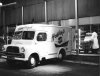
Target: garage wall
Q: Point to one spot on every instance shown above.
(35, 12)
(13, 16)
(0, 16)
(60, 9)
(57, 10)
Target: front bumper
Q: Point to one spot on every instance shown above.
(13, 56)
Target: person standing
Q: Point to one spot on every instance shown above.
(95, 45)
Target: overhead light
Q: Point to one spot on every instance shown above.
(7, 4)
(0, 4)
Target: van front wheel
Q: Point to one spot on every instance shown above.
(32, 61)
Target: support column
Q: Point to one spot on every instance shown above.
(45, 6)
(22, 15)
(77, 24)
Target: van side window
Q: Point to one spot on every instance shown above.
(41, 37)
(28, 35)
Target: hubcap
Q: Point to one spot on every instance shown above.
(60, 56)
(32, 61)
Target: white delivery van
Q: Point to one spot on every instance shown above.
(34, 42)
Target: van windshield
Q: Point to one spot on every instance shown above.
(27, 35)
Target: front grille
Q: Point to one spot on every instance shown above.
(12, 49)
(20, 55)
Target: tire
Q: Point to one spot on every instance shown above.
(60, 57)
(32, 62)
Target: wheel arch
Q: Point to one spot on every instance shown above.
(63, 51)
(36, 56)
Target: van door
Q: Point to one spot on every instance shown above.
(43, 45)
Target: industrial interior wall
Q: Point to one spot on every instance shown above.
(34, 13)
(13, 16)
(56, 10)
(60, 9)
(0, 17)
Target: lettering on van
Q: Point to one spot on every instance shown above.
(24, 28)
(59, 33)
(62, 45)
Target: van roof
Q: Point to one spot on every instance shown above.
(38, 25)
(32, 26)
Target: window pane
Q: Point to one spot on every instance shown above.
(18, 35)
(28, 35)
(41, 37)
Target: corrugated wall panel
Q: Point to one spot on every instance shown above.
(66, 10)
(51, 7)
(33, 12)
(39, 12)
(13, 16)
(93, 7)
(0, 18)
(60, 9)
(19, 15)
(8, 17)
(57, 9)
(83, 8)
(26, 14)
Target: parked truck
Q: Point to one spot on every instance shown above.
(33, 43)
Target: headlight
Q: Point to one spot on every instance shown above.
(22, 49)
